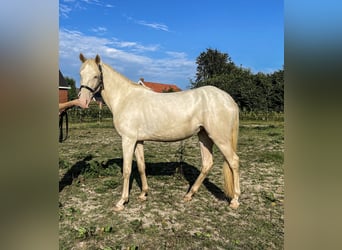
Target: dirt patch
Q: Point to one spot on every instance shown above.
(91, 183)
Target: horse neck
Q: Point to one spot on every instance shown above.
(116, 87)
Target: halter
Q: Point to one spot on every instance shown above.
(98, 87)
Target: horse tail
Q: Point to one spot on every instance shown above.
(228, 186)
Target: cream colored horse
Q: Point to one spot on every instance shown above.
(139, 115)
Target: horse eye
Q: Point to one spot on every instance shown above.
(96, 77)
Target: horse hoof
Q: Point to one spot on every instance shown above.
(142, 197)
(187, 198)
(234, 204)
(118, 208)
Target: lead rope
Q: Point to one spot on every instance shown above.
(61, 138)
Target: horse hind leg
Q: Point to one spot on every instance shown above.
(206, 145)
(139, 155)
(231, 174)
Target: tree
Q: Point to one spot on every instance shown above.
(263, 92)
(242, 85)
(72, 93)
(269, 91)
(212, 63)
(277, 79)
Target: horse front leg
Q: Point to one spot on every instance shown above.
(128, 146)
(139, 155)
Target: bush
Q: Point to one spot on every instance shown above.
(261, 116)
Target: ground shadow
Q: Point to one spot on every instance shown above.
(74, 172)
(80, 167)
(185, 170)
(189, 172)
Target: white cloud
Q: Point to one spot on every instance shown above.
(156, 26)
(153, 25)
(176, 54)
(135, 46)
(64, 10)
(88, 1)
(99, 29)
(132, 59)
(71, 40)
(66, 6)
(123, 56)
(98, 3)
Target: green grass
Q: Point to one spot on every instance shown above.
(90, 169)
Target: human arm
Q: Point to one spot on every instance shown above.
(65, 105)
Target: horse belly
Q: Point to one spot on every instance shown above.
(170, 129)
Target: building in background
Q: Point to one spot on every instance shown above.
(63, 89)
(159, 87)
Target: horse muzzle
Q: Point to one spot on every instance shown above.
(84, 100)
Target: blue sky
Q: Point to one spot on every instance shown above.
(160, 40)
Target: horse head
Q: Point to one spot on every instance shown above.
(91, 79)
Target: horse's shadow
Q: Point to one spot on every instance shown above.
(74, 172)
(81, 166)
(189, 172)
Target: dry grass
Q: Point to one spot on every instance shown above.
(91, 183)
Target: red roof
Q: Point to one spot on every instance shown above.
(161, 87)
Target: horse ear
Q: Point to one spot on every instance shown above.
(97, 59)
(82, 58)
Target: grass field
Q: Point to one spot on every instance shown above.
(90, 165)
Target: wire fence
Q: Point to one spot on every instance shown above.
(95, 114)
(92, 114)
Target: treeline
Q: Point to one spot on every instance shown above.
(252, 92)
